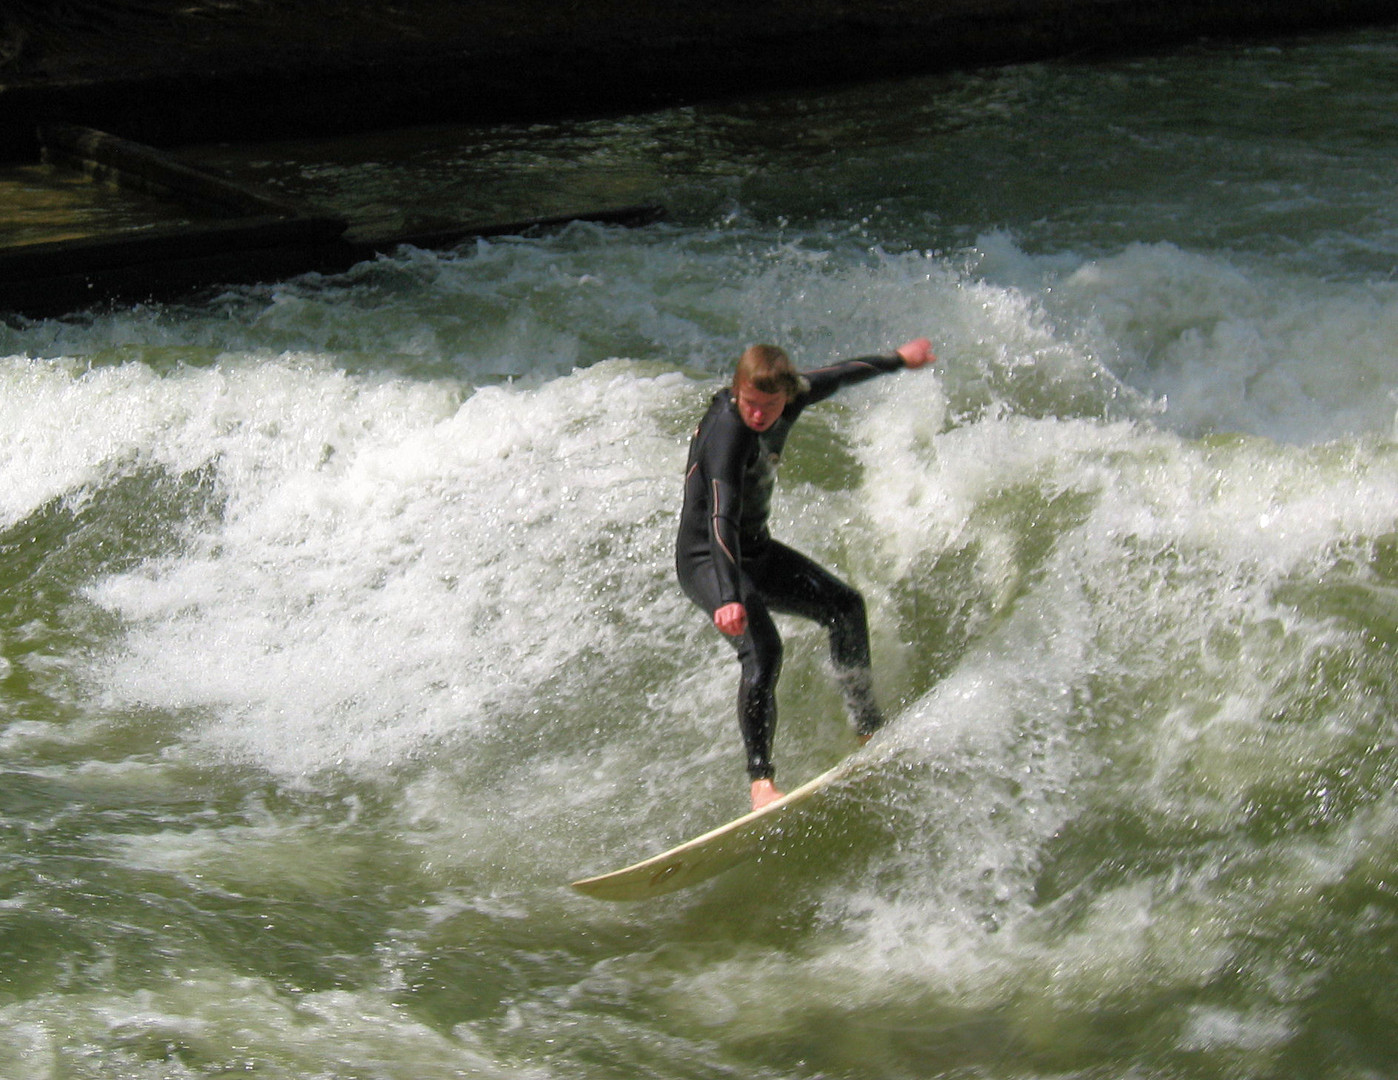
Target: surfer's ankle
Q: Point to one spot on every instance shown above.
(857, 688)
(764, 792)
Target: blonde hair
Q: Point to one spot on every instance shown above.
(768, 370)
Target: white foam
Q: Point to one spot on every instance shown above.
(478, 582)
(208, 1020)
(1227, 345)
(389, 569)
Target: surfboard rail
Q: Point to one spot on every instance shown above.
(707, 855)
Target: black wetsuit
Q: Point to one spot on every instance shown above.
(725, 554)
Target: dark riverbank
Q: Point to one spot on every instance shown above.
(171, 72)
(103, 87)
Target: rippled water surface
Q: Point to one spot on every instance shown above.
(338, 630)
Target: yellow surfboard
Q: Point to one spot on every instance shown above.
(701, 858)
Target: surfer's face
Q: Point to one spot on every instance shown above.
(759, 411)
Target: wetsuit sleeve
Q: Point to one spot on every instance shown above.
(720, 470)
(825, 381)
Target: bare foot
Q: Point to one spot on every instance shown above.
(764, 792)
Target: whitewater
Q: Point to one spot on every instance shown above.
(339, 630)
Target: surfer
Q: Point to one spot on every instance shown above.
(730, 566)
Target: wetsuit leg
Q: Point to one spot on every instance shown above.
(760, 654)
(793, 583)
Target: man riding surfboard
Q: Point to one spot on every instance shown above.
(729, 564)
